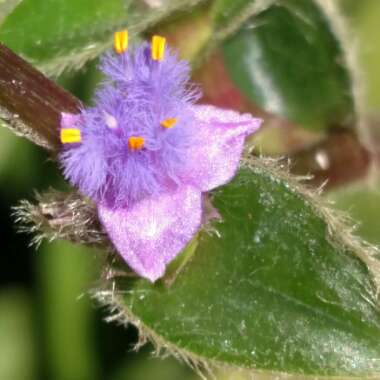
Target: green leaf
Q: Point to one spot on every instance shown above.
(276, 288)
(228, 14)
(225, 10)
(59, 34)
(362, 202)
(288, 61)
(6, 7)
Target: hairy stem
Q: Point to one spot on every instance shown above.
(30, 103)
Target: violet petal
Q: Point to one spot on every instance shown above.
(69, 120)
(153, 232)
(215, 157)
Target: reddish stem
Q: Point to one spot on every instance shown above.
(30, 103)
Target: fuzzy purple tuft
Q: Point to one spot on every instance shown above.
(138, 95)
(149, 199)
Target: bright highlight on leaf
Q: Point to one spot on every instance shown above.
(158, 48)
(169, 123)
(121, 41)
(70, 135)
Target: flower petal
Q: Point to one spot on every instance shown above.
(69, 120)
(151, 233)
(215, 155)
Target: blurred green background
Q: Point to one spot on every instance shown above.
(49, 327)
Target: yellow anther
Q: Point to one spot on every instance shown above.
(169, 123)
(120, 41)
(158, 47)
(70, 136)
(136, 143)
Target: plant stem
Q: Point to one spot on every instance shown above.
(30, 103)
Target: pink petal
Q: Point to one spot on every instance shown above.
(153, 232)
(69, 120)
(220, 134)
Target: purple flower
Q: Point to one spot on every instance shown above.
(146, 152)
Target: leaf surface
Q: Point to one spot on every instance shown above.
(272, 290)
(60, 34)
(288, 61)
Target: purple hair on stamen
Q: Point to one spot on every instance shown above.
(138, 94)
(146, 153)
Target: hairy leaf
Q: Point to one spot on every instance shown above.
(278, 287)
(60, 34)
(229, 15)
(224, 10)
(362, 201)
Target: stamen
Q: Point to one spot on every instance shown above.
(120, 41)
(70, 135)
(158, 47)
(169, 123)
(136, 143)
